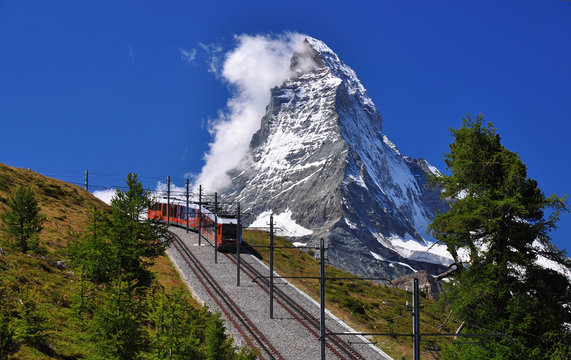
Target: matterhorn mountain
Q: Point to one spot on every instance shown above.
(322, 165)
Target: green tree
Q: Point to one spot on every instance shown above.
(135, 240)
(30, 325)
(123, 245)
(22, 221)
(178, 330)
(117, 325)
(218, 346)
(92, 253)
(496, 229)
(9, 343)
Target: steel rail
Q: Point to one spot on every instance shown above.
(303, 316)
(212, 286)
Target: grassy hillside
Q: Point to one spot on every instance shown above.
(36, 278)
(366, 306)
(66, 206)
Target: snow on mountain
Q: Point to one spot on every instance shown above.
(284, 225)
(320, 158)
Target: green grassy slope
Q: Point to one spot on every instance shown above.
(66, 206)
(366, 306)
(362, 304)
(36, 277)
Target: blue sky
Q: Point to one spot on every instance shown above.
(105, 86)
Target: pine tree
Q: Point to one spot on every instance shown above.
(91, 253)
(123, 245)
(178, 330)
(9, 343)
(135, 240)
(218, 346)
(496, 229)
(117, 325)
(22, 221)
(30, 326)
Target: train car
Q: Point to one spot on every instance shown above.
(221, 231)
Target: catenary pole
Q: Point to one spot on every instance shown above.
(199, 214)
(216, 228)
(168, 200)
(187, 207)
(271, 266)
(415, 321)
(238, 243)
(322, 296)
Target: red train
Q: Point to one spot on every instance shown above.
(223, 233)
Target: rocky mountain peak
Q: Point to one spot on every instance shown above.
(320, 160)
(306, 59)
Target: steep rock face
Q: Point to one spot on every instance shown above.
(320, 153)
(426, 283)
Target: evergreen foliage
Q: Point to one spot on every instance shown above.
(9, 343)
(30, 325)
(117, 325)
(177, 330)
(123, 245)
(496, 228)
(136, 319)
(22, 221)
(217, 347)
(92, 254)
(136, 242)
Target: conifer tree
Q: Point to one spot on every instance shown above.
(218, 346)
(91, 253)
(496, 230)
(117, 325)
(9, 343)
(22, 221)
(135, 240)
(124, 244)
(30, 325)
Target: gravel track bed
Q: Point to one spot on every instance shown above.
(285, 333)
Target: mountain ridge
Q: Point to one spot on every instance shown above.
(320, 153)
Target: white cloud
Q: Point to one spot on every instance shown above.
(187, 56)
(215, 54)
(257, 64)
(176, 192)
(105, 195)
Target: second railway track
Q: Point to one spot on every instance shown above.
(294, 330)
(338, 346)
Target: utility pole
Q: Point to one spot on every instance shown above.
(238, 243)
(216, 228)
(86, 181)
(187, 208)
(199, 214)
(415, 321)
(168, 200)
(271, 266)
(322, 295)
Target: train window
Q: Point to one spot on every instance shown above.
(182, 214)
(164, 209)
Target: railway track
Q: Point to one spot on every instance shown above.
(335, 344)
(253, 336)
